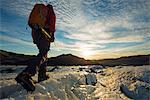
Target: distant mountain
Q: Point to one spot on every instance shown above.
(9, 58)
(67, 59)
(125, 61)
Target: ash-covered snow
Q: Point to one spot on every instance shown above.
(70, 83)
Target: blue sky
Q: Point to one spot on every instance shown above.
(93, 29)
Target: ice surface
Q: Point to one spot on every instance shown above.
(69, 83)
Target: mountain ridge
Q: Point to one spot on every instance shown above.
(10, 58)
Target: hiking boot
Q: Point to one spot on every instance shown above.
(26, 81)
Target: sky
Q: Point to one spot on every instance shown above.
(92, 29)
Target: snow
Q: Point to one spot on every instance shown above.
(69, 83)
(124, 83)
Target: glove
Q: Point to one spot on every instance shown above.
(35, 26)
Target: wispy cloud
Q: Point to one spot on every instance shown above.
(105, 38)
(91, 25)
(15, 40)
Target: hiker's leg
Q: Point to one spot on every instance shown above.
(43, 63)
(24, 78)
(32, 66)
(36, 62)
(42, 72)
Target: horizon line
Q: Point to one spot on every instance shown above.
(75, 55)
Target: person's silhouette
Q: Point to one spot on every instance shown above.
(40, 17)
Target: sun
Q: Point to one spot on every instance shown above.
(87, 53)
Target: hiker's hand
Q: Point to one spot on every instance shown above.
(36, 26)
(50, 33)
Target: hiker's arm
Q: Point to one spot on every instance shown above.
(52, 23)
(51, 20)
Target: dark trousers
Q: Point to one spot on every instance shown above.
(39, 63)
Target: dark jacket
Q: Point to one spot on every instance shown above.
(49, 26)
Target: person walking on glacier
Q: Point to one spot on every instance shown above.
(42, 22)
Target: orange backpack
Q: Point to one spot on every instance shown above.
(38, 15)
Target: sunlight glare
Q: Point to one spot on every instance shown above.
(87, 53)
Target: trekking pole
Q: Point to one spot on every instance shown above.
(47, 36)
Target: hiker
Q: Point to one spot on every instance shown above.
(40, 17)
